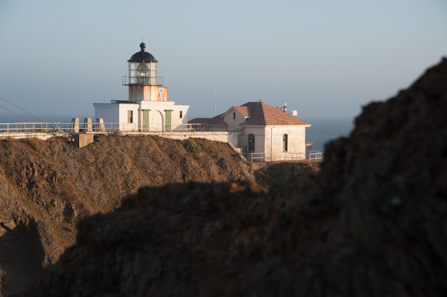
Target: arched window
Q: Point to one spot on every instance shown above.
(285, 142)
(234, 115)
(251, 142)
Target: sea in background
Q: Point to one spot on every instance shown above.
(11, 118)
(324, 130)
(320, 132)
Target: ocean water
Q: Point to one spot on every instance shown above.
(324, 130)
(11, 118)
(321, 131)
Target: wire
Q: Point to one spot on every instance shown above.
(14, 113)
(21, 110)
(27, 113)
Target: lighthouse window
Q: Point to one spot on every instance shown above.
(285, 140)
(143, 73)
(130, 116)
(181, 114)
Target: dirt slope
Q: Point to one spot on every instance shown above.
(372, 222)
(48, 186)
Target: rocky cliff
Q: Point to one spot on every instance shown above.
(372, 222)
(48, 186)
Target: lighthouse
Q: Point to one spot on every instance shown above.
(143, 82)
(147, 107)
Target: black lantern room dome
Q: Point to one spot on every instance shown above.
(142, 56)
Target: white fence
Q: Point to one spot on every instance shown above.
(286, 156)
(97, 127)
(316, 156)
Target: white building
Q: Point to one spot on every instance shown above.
(260, 131)
(147, 108)
(265, 133)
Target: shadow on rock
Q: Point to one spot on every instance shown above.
(21, 257)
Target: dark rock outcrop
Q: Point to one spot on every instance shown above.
(372, 222)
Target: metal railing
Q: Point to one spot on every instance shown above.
(98, 127)
(268, 157)
(142, 80)
(316, 156)
(34, 127)
(286, 156)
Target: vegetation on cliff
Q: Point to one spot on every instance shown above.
(279, 173)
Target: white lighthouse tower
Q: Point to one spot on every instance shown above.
(147, 108)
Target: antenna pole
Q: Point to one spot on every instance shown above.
(215, 100)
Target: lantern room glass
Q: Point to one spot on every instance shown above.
(139, 73)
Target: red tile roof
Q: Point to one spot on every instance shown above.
(244, 110)
(257, 113)
(264, 114)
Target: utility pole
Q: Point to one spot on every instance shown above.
(215, 100)
(271, 143)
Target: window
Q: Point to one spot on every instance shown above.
(130, 116)
(251, 142)
(285, 142)
(234, 115)
(181, 114)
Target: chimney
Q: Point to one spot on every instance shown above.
(285, 108)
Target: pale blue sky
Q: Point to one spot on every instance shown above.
(325, 58)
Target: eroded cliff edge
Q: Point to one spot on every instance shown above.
(372, 222)
(47, 186)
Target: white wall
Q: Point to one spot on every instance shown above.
(264, 143)
(117, 113)
(296, 139)
(259, 133)
(109, 112)
(157, 114)
(125, 125)
(233, 124)
(185, 110)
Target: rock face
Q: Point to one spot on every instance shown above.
(372, 222)
(48, 186)
(278, 173)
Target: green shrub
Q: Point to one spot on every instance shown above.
(276, 171)
(237, 157)
(33, 143)
(190, 145)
